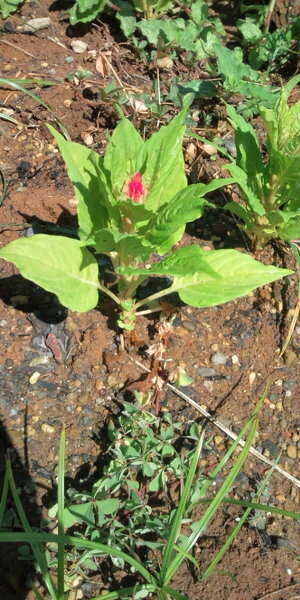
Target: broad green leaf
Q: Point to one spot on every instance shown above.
(85, 11)
(81, 163)
(248, 151)
(253, 202)
(161, 162)
(199, 12)
(188, 204)
(285, 170)
(61, 265)
(126, 244)
(214, 277)
(150, 29)
(7, 7)
(200, 88)
(249, 30)
(121, 154)
(109, 506)
(232, 68)
(190, 257)
(290, 229)
(83, 513)
(239, 273)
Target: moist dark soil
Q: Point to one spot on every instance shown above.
(75, 377)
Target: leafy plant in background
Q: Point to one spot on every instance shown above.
(85, 11)
(270, 191)
(8, 7)
(272, 49)
(176, 548)
(196, 34)
(240, 78)
(133, 205)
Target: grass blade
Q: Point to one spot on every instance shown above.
(35, 546)
(60, 515)
(237, 528)
(169, 549)
(71, 540)
(171, 592)
(17, 86)
(4, 494)
(213, 506)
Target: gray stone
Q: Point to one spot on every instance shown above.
(206, 371)
(218, 358)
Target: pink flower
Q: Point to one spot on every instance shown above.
(135, 189)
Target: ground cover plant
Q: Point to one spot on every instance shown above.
(270, 189)
(133, 205)
(174, 536)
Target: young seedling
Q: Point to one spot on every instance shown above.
(133, 205)
(270, 191)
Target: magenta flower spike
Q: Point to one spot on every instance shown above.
(135, 189)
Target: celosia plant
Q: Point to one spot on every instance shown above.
(133, 205)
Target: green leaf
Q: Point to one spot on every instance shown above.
(253, 201)
(7, 7)
(208, 278)
(199, 12)
(198, 87)
(167, 227)
(85, 11)
(61, 265)
(121, 154)
(161, 161)
(248, 151)
(109, 506)
(83, 166)
(249, 30)
(126, 17)
(82, 513)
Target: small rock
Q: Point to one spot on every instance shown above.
(206, 371)
(69, 59)
(252, 377)
(289, 384)
(218, 439)
(235, 359)
(46, 428)
(34, 25)
(79, 46)
(3, 322)
(209, 149)
(218, 358)
(39, 360)
(34, 377)
(291, 451)
(188, 325)
(280, 498)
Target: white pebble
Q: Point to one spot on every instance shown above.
(252, 377)
(235, 359)
(34, 377)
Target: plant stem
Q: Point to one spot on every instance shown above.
(149, 299)
(107, 291)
